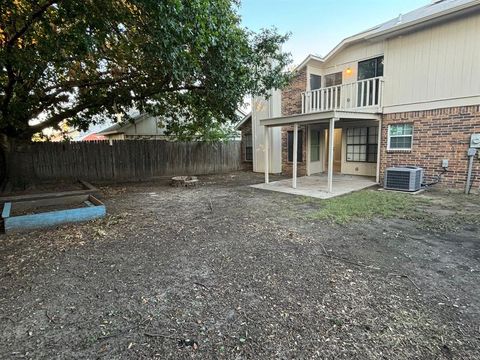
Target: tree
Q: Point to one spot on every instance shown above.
(83, 61)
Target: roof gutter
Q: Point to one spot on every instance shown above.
(423, 21)
(395, 30)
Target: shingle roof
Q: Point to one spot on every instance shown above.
(122, 126)
(435, 7)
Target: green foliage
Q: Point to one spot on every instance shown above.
(367, 204)
(83, 61)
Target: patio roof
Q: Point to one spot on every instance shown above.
(317, 117)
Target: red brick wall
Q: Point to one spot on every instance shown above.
(292, 94)
(287, 167)
(291, 105)
(437, 134)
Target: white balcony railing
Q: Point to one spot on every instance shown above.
(366, 95)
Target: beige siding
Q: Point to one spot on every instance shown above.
(434, 65)
(263, 109)
(349, 58)
(148, 127)
(115, 137)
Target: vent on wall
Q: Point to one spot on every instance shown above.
(408, 178)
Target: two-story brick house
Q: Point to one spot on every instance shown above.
(406, 92)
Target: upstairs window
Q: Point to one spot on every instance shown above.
(370, 68)
(400, 137)
(315, 82)
(333, 79)
(248, 147)
(299, 147)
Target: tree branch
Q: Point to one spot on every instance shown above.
(29, 22)
(9, 87)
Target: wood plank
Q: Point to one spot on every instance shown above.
(30, 197)
(7, 207)
(52, 218)
(64, 200)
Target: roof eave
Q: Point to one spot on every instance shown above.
(370, 34)
(243, 121)
(424, 21)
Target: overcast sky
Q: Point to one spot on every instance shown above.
(317, 26)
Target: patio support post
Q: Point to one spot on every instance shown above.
(379, 149)
(266, 154)
(331, 135)
(295, 155)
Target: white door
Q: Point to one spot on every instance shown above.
(315, 150)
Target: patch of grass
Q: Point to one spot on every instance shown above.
(367, 204)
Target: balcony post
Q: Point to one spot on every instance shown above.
(266, 140)
(331, 135)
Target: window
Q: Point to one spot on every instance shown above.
(333, 79)
(333, 95)
(370, 68)
(362, 144)
(315, 82)
(368, 91)
(315, 145)
(248, 147)
(400, 137)
(299, 147)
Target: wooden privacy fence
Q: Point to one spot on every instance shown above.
(133, 160)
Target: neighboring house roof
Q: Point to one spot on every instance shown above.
(93, 129)
(431, 13)
(120, 128)
(93, 137)
(243, 121)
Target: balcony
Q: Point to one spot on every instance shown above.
(364, 95)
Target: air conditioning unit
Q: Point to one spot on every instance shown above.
(408, 178)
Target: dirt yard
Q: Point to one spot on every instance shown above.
(227, 271)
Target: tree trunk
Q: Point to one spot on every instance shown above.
(11, 165)
(4, 148)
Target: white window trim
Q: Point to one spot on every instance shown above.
(324, 80)
(389, 136)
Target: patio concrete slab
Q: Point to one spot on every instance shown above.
(316, 185)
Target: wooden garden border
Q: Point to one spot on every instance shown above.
(89, 189)
(94, 209)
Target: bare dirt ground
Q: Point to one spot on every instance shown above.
(227, 271)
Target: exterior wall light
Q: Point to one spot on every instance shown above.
(348, 71)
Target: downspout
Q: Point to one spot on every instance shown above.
(471, 154)
(379, 149)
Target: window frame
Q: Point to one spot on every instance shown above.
(334, 75)
(318, 146)
(377, 59)
(299, 146)
(390, 136)
(245, 146)
(367, 144)
(320, 79)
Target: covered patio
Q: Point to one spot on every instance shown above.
(317, 185)
(328, 182)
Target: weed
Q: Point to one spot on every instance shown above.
(367, 204)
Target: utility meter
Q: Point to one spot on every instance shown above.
(475, 141)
